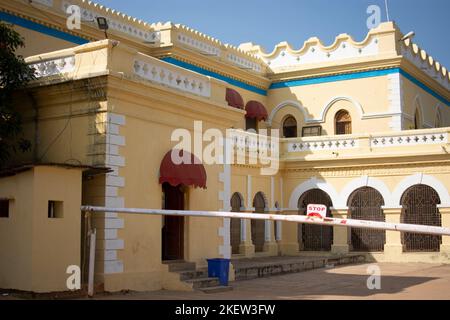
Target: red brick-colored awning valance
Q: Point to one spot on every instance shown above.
(256, 110)
(234, 99)
(192, 173)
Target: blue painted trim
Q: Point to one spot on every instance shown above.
(41, 28)
(358, 75)
(325, 79)
(424, 87)
(205, 72)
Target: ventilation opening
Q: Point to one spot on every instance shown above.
(55, 209)
(4, 208)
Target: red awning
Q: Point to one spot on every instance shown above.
(256, 110)
(234, 99)
(188, 174)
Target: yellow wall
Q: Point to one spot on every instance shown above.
(36, 250)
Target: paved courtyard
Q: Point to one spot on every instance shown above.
(398, 281)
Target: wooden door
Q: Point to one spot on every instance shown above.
(173, 229)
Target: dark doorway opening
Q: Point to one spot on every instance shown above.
(173, 229)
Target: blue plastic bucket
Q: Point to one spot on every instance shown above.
(219, 268)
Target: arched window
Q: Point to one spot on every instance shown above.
(235, 224)
(290, 127)
(343, 122)
(419, 205)
(314, 237)
(259, 226)
(365, 204)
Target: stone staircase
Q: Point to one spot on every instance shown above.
(197, 279)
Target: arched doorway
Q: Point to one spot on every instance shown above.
(315, 237)
(419, 204)
(173, 227)
(235, 224)
(365, 204)
(176, 178)
(258, 226)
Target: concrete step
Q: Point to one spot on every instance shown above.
(178, 266)
(193, 274)
(282, 265)
(217, 289)
(203, 282)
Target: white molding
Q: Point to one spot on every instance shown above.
(287, 103)
(314, 183)
(330, 103)
(366, 181)
(421, 178)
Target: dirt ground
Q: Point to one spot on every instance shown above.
(398, 281)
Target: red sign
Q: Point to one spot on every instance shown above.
(316, 211)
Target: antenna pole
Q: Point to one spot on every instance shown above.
(387, 9)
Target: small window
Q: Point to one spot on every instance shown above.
(251, 124)
(311, 131)
(4, 208)
(290, 127)
(343, 122)
(55, 209)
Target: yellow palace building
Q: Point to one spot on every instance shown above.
(364, 130)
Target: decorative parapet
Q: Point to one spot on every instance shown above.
(210, 46)
(117, 21)
(410, 138)
(248, 141)
(163, 73)
(422, 60)
(363, 145)
(54, 67)
(313, 51)
(322, 144)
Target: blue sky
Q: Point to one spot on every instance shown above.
(268, 22)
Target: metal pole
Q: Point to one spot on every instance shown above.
(278, 217)
(92, 235)
(387, 10)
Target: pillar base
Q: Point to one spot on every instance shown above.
(392, 252)
(271, 248)
(340, 249)
(288, 248)
(445, 249)
(247, 250)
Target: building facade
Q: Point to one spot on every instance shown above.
(363, 130)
